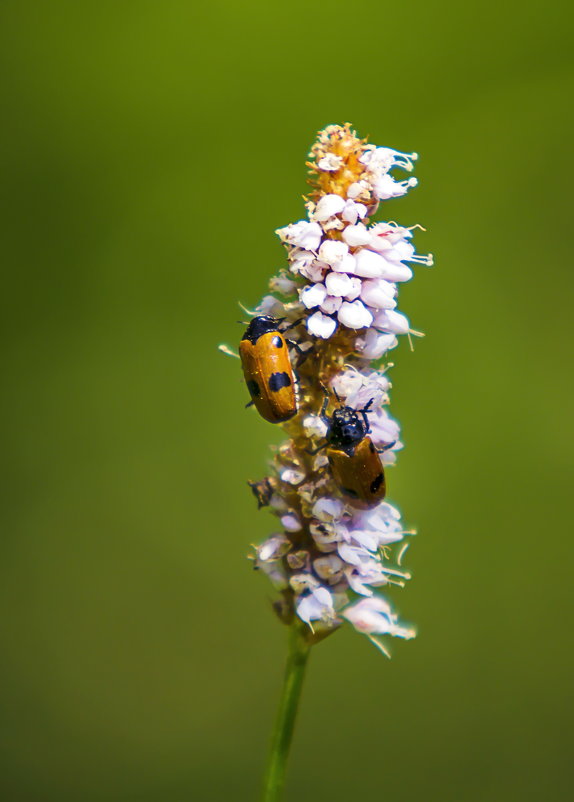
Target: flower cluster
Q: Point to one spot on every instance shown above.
(339, 295)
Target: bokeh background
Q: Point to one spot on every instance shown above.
(149, 150)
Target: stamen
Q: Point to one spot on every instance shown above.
(379, 646)
(422, 259)
(401, 553)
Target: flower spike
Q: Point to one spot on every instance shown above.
(338, 299)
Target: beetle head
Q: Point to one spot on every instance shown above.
(347, 428)
(260, 325)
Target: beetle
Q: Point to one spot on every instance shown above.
(267, 369)
(354, 460)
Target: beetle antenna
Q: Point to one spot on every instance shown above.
(251, 312)
(225, 349)
(337, 397)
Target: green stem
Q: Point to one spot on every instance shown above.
(286, 715)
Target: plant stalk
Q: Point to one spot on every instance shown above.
(286, 715)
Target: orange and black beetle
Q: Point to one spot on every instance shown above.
(355, 463)
(267, 370)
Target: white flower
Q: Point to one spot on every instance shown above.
(358, 389)
(386, 158)
(313, 295)
(314, 271)
(328, 509)
(332, 252)
(386, 235)
(379, 293)
(273, 568)
(291, 523)
(325, 537)
(354, 555)
(316, 606)
(358, 188)
(347, 382)
(389, 320)
(369, 264)
(357, 235)
(331, 304)
(271, 306)
(282, 284)
(362, 537)
(359, 578)
(353, 212)
(330, 163)
(291, 476)
(395, 271)
(328, 206)
(386, 187)
(278, 503)
(301, 235)
(302, 582)
(374, 616)
(314, 426)
(320, 325)
(384, 429)
(354, 315)
(383, 522)
(339, 284)
(273, 548)
(373, 344)
(329, 568)
(300, 259)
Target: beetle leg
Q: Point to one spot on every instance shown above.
(313, 451)
(386, 447)
(250, 404)
(363, 412)
(302, 353)
(290, 326)
(322, 414)
(366, 419)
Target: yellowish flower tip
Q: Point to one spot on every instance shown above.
(334, 164)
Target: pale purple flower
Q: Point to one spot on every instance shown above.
(320, 325)
(343, 281)
(374, 616)
(354, 315)
(317, 605)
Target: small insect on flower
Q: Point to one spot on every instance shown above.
(353, 458)
(267, 370)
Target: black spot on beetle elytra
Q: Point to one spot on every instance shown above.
(377, 482)
(278, 380)
(372, 447)
(277, 342)
(348, 492)
(253, 387)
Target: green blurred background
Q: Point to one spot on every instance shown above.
(149, 150)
